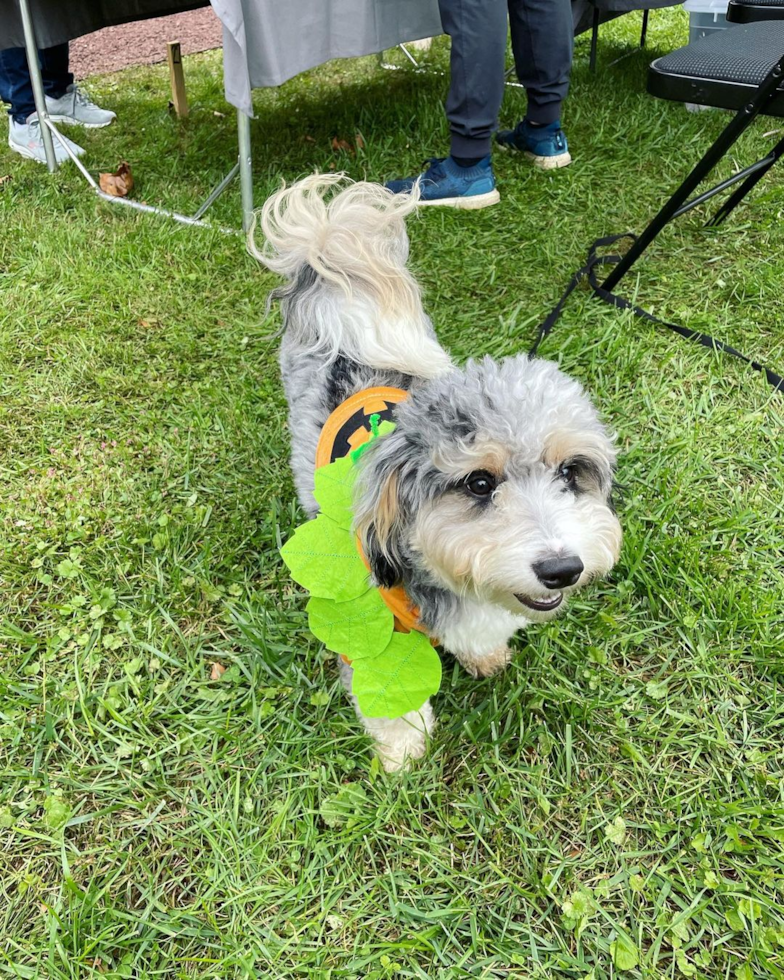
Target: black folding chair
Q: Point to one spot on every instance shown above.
(741, 68)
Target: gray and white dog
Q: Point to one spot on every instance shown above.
(490, 501)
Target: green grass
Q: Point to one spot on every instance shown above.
(614, 800)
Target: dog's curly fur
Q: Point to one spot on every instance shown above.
(492, 469)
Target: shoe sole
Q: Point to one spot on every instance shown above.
(549, 163)
(474, 203)
(543, 163)
(70, 121)
(29, 155)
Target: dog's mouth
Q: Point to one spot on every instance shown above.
(540, 605)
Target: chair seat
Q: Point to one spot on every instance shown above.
(723, 69)
(747, 11)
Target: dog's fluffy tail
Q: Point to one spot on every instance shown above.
(343, 247)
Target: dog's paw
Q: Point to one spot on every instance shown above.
(399, 754)
(488, 663)
(396, 757)
(400, 741)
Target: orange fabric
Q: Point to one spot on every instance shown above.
(368, 401)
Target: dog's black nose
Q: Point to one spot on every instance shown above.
(557, 573)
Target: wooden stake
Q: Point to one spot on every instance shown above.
(179, 98)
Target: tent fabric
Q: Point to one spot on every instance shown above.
(266, 42)
(57, 21)
(582, 10)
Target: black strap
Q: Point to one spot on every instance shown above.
(588, 272)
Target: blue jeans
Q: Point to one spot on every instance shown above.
(16, 87)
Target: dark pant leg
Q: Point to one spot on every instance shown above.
(15, 85)
(476, 88)
(542, 41)
(54, 70)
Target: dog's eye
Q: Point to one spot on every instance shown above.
(480, 484)
(568, 473)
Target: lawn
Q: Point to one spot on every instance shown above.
(612, 806)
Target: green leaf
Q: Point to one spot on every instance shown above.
(686, 968)
(323, 558)
(744, 972)
(345, 808)
(67, 568)
(616, 831)
(55, 812)
(624, 953)
(333, 490)
(399, 679)
(656, 690)
(360, 628)
(734, 921)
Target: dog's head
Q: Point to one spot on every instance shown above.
(496, 484)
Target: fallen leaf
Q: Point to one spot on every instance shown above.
(218, 670)
(4, 180)
(338, 144)
(118, 184)
(359, 141)
(221, 114)
(308, 139)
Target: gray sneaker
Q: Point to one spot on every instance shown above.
(25, 138)
(74, 108)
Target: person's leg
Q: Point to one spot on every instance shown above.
(15, 86)
(24, 129)
(542, 41)
(54, 70)
(66, 102)
(478, 32)
(465, 179)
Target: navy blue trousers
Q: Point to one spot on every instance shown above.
(542, 41)
(15, 86)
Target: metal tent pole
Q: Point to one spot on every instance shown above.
(38, 85)
(246, 172)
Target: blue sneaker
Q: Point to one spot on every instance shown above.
(445, 183)
(545, 145)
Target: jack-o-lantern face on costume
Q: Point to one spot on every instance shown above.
(348, 427)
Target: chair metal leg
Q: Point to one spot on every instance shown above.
(748, 185)
(594, 38)
(739, 123)
(644, 32)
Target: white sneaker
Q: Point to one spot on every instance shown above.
(76, 109)
(25, 138)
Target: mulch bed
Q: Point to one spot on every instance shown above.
(144, 42)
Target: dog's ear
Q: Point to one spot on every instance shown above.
(378, 519)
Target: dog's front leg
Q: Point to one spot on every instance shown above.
(478, 635)
(396, 740)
